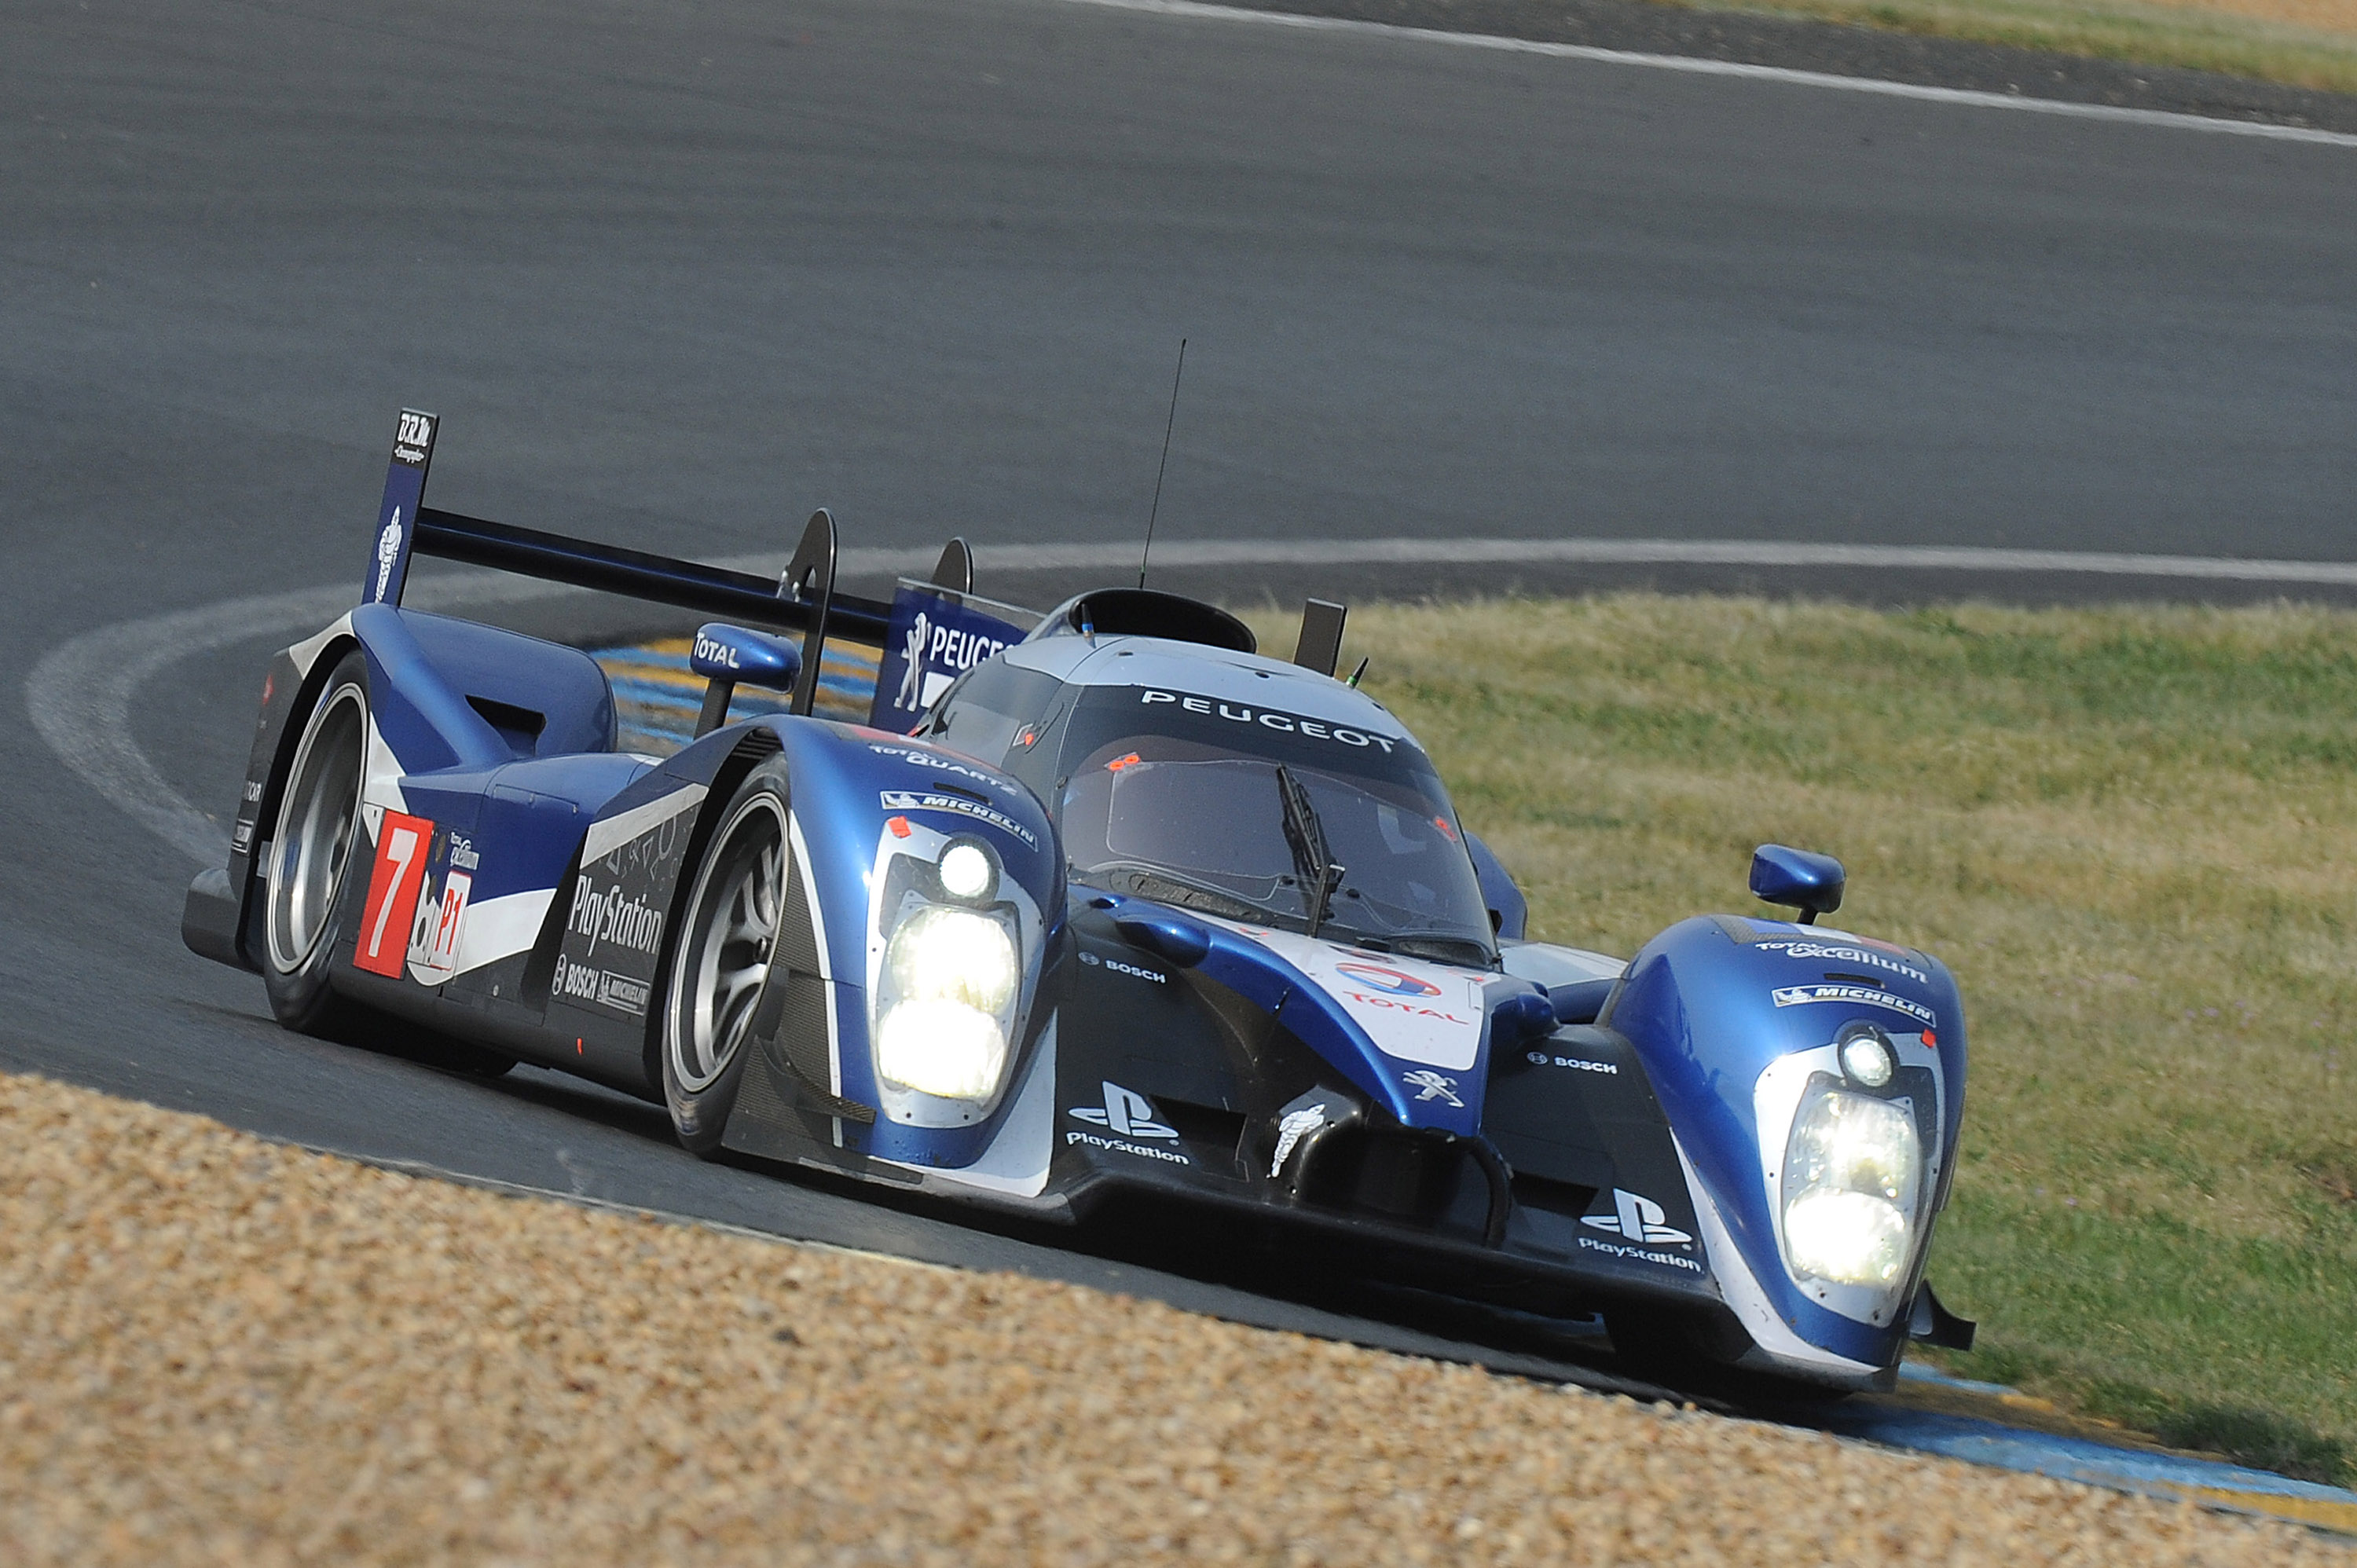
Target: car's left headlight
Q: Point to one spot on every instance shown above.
(1853, 1170)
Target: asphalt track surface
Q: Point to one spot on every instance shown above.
(674, 275)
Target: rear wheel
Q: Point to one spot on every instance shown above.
(311, 852)
(721, 965)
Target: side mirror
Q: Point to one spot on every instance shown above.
(1172, 937)
(1523, 1014)
(1509, 911)
(724, 655)
(1810, 882)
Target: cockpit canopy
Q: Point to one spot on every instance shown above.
(1168, 771)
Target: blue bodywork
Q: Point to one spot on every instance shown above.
(1542, 1125)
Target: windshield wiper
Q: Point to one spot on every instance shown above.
(1306, 836)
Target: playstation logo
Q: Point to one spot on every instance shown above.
(1636, 1218)
(1124, 1111)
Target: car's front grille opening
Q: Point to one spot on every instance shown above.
(1430, 1183)
(1206, 1127)
(1568, 1198)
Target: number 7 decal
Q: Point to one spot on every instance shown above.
(400, 846)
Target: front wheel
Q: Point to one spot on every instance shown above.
(311, 853)
(720, 965)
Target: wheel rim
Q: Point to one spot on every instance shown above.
(316, 829)
(725, 961)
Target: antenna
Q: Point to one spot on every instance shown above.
(1167, 428)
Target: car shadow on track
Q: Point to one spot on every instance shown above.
(1156, 1249)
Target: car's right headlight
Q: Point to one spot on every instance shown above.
(949, 978)
(1853, 1169)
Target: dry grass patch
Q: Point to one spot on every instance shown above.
(2132, 834)
(2305, 43)
(217, 1350)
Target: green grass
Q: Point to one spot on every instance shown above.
(2198, 38)
(2132, 834)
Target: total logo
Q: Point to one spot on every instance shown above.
(711, 651)
(1636, 1218)
(1390, 981)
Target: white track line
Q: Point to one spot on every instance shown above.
(79, 694)
(1196, 10)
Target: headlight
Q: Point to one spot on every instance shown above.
(953, 955)
(1867, 1056)
(1851, 1175)
(949, 982)
(966, 872)
(940, 1048)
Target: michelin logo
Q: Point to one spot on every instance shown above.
(1800, 995)
(1296, 1125)
(619, 992)
(388, 551)
(925, 801)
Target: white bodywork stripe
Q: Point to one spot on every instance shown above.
(605, 837)
(307, 653)
(1749, 1299)
(382, 773)
(1017, 1161)
(500, 927)
(826, 962)
(1442, 1028)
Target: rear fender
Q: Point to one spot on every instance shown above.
(290, 686)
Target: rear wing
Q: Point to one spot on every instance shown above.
(804, 599)
(928, 632)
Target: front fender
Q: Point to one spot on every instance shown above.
(858, 797)
(1711, 1005)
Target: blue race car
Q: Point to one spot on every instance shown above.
(1109, 904)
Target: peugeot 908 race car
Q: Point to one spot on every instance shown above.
(1129, 908)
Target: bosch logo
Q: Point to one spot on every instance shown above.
(1391, 981)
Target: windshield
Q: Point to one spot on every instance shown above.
(1189, 821)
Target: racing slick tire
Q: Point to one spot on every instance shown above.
(303, 880)
(721, 963)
